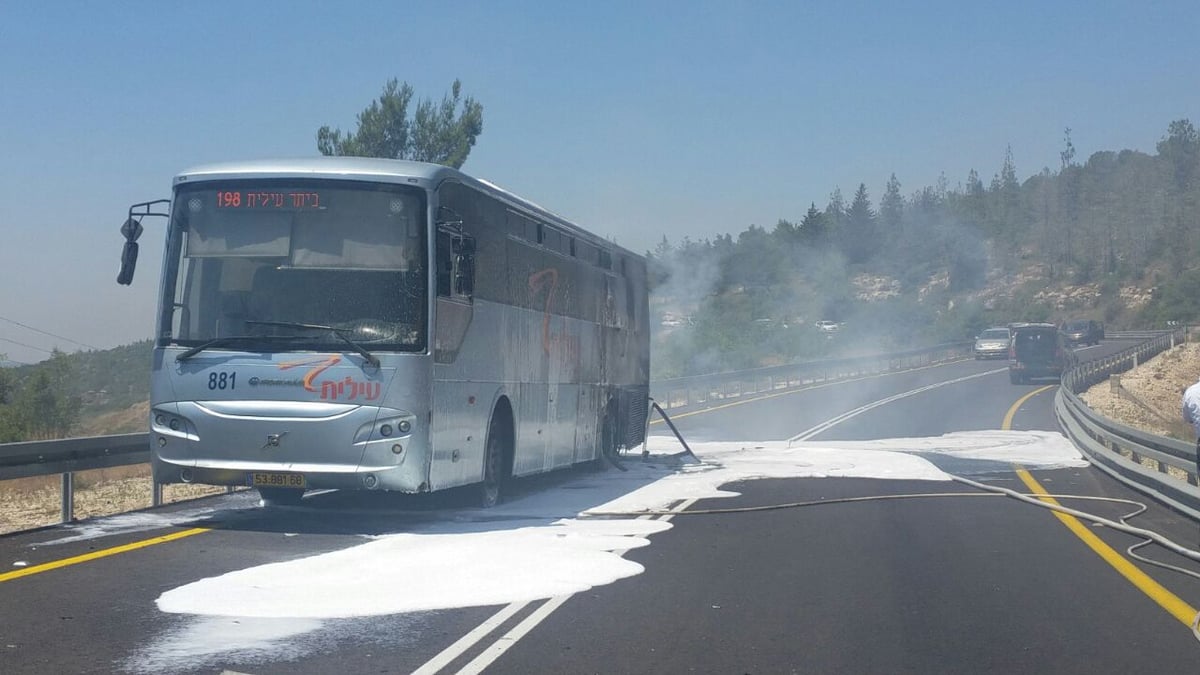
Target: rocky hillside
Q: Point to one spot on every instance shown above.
(1150, 396)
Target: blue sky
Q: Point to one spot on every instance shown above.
(635, 119)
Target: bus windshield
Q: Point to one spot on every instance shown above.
(254, 258)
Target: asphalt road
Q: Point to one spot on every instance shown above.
(945, 585)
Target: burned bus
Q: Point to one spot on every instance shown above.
(355, 323)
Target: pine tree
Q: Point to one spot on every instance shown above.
(435, 134)
(860, 240)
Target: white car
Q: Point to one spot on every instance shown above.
(829, 326)
(992, 343)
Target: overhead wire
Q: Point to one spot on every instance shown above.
(22, 344)
(43, 332)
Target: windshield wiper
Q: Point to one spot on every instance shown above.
(371, 358)
(219, 342)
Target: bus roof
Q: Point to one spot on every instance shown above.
(391, 170)
(423, 174)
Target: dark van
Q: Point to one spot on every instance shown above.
(1036, 350)
(1084, 332)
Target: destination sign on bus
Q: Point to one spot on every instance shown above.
(270, 200)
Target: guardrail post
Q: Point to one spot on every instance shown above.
(156, 498)
(68, 496)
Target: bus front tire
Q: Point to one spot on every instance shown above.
(280, 496)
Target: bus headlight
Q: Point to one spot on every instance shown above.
(386, 427)
(169, 424)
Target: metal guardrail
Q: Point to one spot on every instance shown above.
(702, 390)
(1164, 468)
(68, 455)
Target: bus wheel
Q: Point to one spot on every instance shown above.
(280, 496)
(494, 465)
(608, 433)
(608, 439)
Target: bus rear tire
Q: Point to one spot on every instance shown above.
(608, 436)
(496, 467)
(280, 496)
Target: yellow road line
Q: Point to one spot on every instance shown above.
(1012, 412)
(1182, 611)
(1176, 607)
(103, 553)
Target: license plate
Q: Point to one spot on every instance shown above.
(281, 480)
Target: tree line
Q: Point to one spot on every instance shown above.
(1119, 218)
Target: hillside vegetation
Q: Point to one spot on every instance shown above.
(93, 392)
(1114, 238)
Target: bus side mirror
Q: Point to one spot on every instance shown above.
(464, 265)
(129, 256)
(464, 277)
(132, 229)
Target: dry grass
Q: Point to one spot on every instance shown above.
(27, 503)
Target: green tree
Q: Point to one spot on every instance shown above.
(443, 133)
(9, 425)
(663, 249)
(1180, 148)
(813, 232)
(785, 231)
(1012, 219)
(757, 261)
(891, 207)
(859, 238)
(835, 217)
(47, 406)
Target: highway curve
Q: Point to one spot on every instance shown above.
(947, 584)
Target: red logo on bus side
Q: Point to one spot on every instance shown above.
(348, 388)
(562, 344)
(537, 281)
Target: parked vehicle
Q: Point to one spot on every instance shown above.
(1083, 332)
(829, 326)
(1037, 350)
(992, 343)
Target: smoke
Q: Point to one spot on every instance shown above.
(687, 278)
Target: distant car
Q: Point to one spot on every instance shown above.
(1037, 350)
(992, 343)
(829, 326)
(1083, 332)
